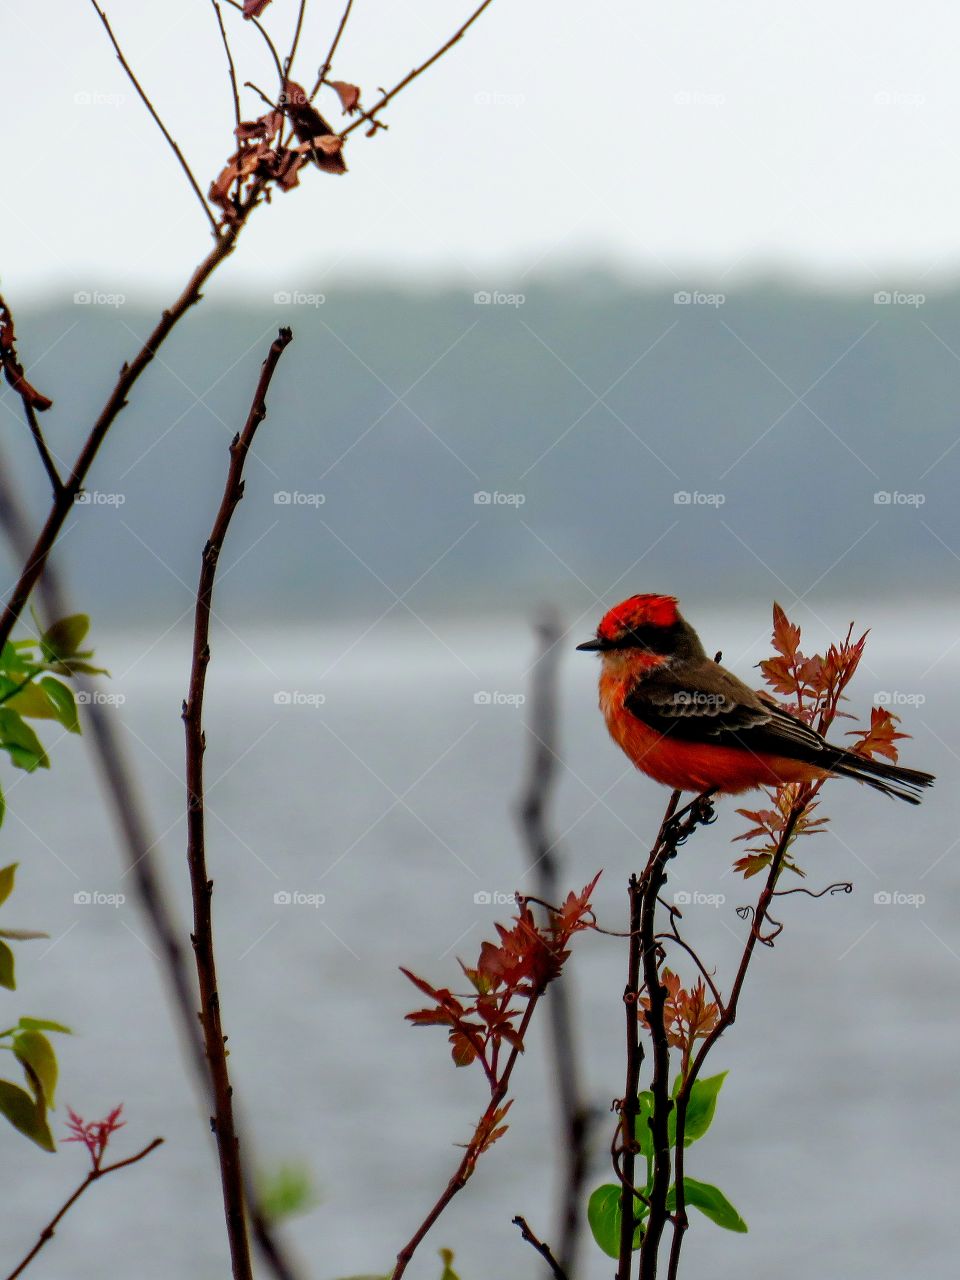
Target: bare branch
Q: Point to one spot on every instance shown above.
(542, 857)
(328, 61)
(369, 117)
(93, 1176)
(228, 1145)
(543, 1249)
(161, 126)
(235, 4)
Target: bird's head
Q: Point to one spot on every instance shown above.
(645, 630)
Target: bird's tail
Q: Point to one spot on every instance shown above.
(891, 779)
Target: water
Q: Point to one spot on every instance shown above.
(835, 1135)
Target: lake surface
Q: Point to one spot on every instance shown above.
(376, 780)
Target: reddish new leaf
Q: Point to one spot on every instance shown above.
(311, 129)
(349, 95)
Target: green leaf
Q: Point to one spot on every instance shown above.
(6, 968)
(63, 638)
(34, 1051)
(446, 1257)
(11, 660)
(22, 743)
(43, 1024)
(26, 1115)
(603, 1214)
(709, 1200)
(63, 703)
(7, 875)
(701, 1108)
(641, 1130)
(47, 699)
(286, 1191)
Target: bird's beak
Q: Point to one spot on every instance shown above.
(590, 646)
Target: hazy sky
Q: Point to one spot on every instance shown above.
(679, 137)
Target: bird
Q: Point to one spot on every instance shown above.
(687, 722)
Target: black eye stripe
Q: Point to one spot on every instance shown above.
(652, 639)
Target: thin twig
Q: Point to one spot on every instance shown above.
(236, 4)
(123, 794)
(543, 1249)
(63, 502)
(288, 65)
(328, 61)
(160, 125)
(728, 1015)
(230, 66)
(465, 1168)
(16, 376)
(368, 117)
(93, 1176)
(222, 1121)
(574, 1113)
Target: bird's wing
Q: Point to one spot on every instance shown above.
(715, 707)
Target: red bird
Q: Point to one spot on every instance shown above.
(687, 722)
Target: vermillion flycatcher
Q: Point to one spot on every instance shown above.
(687, 722)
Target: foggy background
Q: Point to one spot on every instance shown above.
(625, 300)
